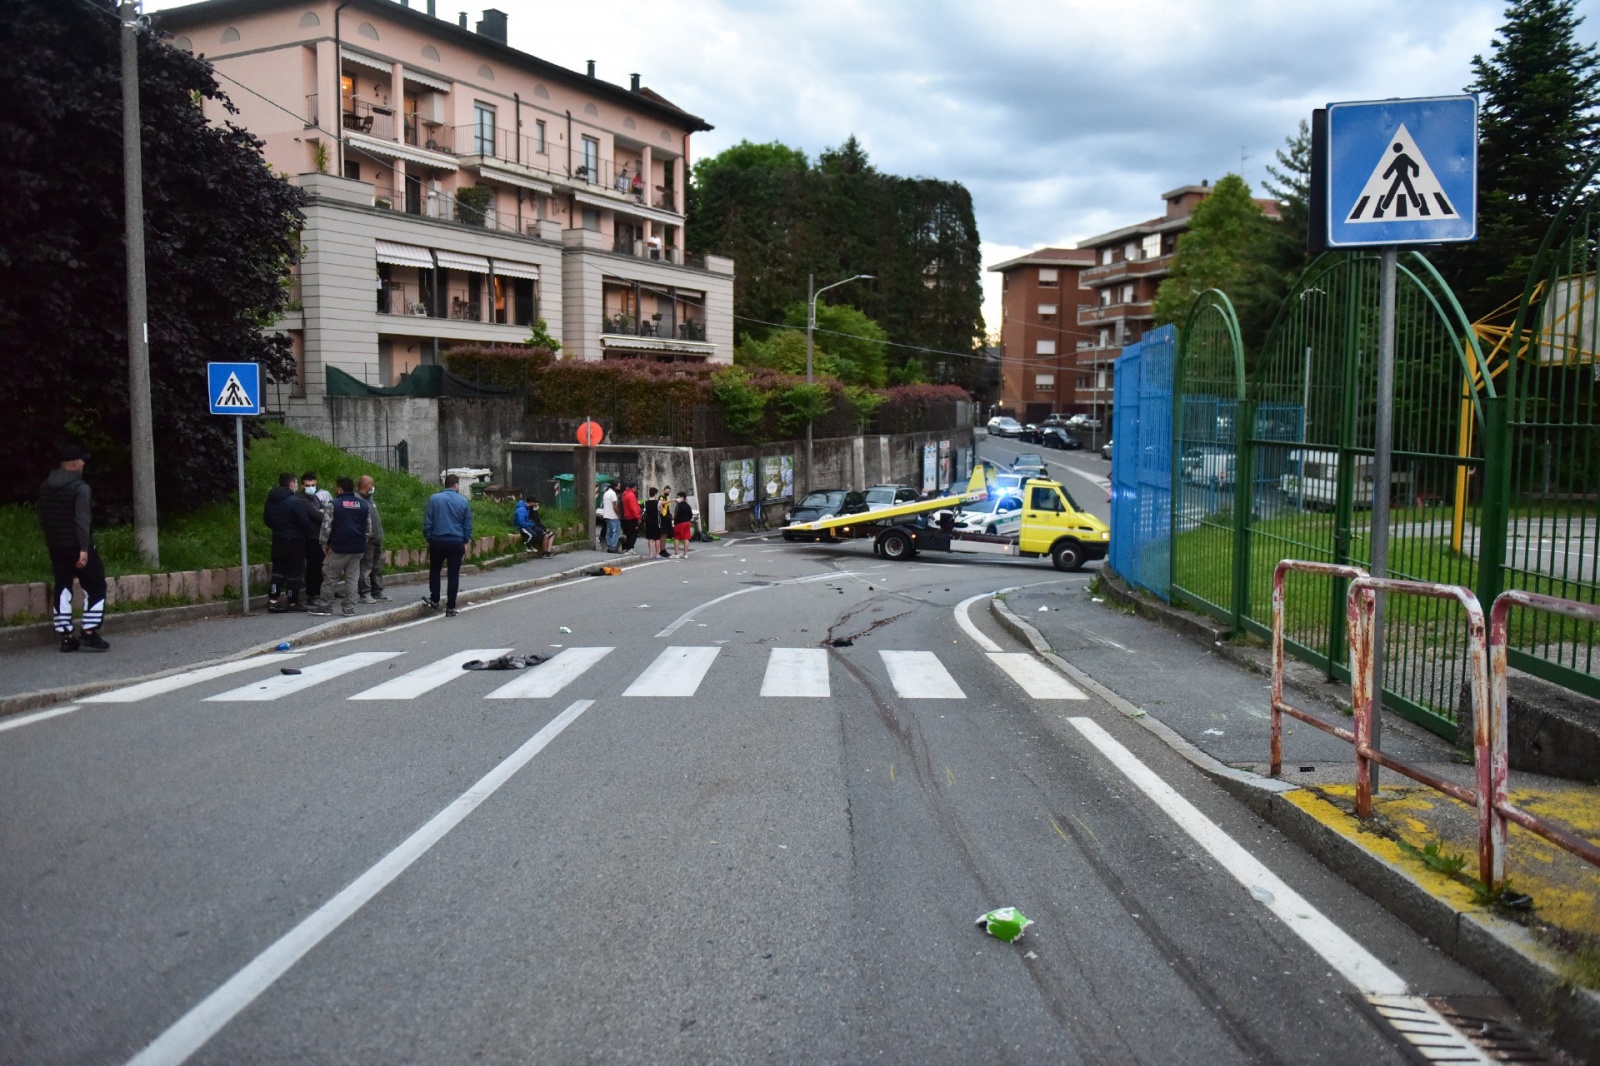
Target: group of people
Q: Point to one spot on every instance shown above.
(320, 539)
(659, 518)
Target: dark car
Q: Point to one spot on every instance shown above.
(1029, 464)
(822, 504)
(1056, 437)
(881, 496)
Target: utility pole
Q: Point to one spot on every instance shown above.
(145, 530)
(812, 292)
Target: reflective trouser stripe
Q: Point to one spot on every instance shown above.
(64, 609)
(92, 614)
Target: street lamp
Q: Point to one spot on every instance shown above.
(812, 292)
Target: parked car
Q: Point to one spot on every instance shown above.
(998, 515)
(822, 504)
(1004, 426)
(1085, 422)
(1029, 464)
(1105, 450)
(1057, 437)
(881, 496)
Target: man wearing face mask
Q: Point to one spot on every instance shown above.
(291, 526)
(371, 581)
(315, 503)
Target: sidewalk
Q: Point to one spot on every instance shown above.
(1546, 960)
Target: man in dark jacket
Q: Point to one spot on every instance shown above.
(345, 536)
(315, 501)
(64, 516)
(447, 527)
(371, 587)
(291, 527)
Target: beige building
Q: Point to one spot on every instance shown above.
(459, 190)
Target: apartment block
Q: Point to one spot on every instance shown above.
(1041, 297)
(459, 190)
(1127, 267)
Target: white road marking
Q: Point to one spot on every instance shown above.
(796, 672)
(36, 716)
(430, 619)
(689, 615)
(1358, 966)
(677, 671)
(280, 685)
(191, 1032)
(424, 679)
(172, 683)
(1036, 679)
(551, 676)
(966, 623)
(919, 675)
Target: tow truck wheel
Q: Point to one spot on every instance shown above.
(1067, 555)
(896, 546)
(789, 537)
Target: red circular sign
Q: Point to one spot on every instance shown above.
(590, 434)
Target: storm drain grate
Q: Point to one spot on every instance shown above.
(1445, 1031)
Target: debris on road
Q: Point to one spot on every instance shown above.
(842, 642)
(1044, 608)
(1212, 732)
(1261, 895)
(641, 605)
(1005, 923)
(285, 646)
(288, 670)
(564, 629)
(505, 662)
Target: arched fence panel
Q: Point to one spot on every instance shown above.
(1141, 462)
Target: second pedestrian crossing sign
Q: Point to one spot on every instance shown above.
(1402, 172)
(234, 388)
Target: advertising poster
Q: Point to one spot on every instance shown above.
(739, 482)
(944, 464)
(777, 477)
(966, 464)
(930, 466)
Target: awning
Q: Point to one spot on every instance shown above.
(508, 177)
(388, 149)
(370, 62)
(427, 81)
(628, 206)
(396, 254)
(507, 269)
(472, 264)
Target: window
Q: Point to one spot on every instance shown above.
(1130, 251)
(1083, 381)
(1105, 297)
(1105, 337)
(538, 137)
(1048, 277)
(1044, 382)
(1047, 310)
(1127, 294)
(483, 129)
(1044, 499)
(1045, 347)
(352, 170)
(591, 219)
(1105, 256)
(591, 160)
(1152, 246)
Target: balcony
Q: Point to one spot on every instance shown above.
(1101, 315)
(364, 116)
(430, 135)
(506, 146)
(624, 325)
(656, 252)
(1107, 273)
(443, 205)
(397, 299)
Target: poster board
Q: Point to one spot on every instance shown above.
(739, 482)
(776, 480)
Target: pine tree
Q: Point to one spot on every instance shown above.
(1537, 135)
(1290, 184)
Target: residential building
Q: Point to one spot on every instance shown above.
(1128, 266)
(1040, 300)
(460, 190)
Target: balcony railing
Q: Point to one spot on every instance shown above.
(689, 329)
(433, 136)
(644, 249)
(463, 308)
(506, 146)
(445, 206)
(1089, 316)
(311, 111)
(1125, 268)
(364, 116)
(395, 298)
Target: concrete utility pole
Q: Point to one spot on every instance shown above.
(145, 530)
(1382, 461)
(812, 292)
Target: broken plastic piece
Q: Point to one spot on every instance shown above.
(285, 646)
(1212, 732)
(288, 670)
(1044, 608)
(1005, 923)
(564, 629)
(1261, 894)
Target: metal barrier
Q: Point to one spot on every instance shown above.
(1279, 707)
(1501, 807)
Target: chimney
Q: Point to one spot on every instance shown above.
(461, 20)
(635, 78)
(431, 12)
(493, 25)
(591, 68)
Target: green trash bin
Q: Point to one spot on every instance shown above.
(563, 493)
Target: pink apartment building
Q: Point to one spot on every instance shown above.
(459, 189)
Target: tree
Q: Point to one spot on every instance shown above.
(1228, 246)
(1537, 133)
(854, 343)
(1290, 185)
(221, 231)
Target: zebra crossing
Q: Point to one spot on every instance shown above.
(676, 672)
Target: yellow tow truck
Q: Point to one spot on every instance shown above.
(1053, 526)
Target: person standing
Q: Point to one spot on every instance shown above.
(682, 521)
(371, 585)
(64, 517)
(315, 503)
(652, 525)
(612, 519)
(447, 527)
(630, 516)
(345, 535)
(291, 527)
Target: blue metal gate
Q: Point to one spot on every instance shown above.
(1141, 462)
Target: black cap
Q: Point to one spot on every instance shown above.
(71, 453)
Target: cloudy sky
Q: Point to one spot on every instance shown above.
(1064, 119)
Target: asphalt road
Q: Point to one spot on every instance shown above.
(722, 840)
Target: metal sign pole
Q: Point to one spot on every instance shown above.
(244, 545)
(1382, 460)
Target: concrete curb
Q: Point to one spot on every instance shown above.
(341, 627)
(1501, 952)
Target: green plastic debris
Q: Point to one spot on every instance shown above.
(1006, 923)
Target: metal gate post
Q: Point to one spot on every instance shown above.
(1243, 500)
(1494, 512)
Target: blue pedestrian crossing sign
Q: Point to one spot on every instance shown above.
(234, 388)
(1402, 172)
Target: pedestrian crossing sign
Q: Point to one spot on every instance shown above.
(234, 388)
(1402, 172)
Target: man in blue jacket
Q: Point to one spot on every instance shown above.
(344, 535)
(447, 527)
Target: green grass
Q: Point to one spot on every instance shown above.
(208, 536)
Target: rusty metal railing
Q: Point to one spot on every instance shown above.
(1279, 706)
(1500, 807)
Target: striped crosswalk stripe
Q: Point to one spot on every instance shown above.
(424, 679)
(550, 677)
(919, 675)
(1036, 679)
(796, 672)
(162, 685)
(281, 685)
(677, 671)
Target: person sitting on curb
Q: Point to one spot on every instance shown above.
(543, 536)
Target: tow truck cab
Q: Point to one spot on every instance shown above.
(1053, 525)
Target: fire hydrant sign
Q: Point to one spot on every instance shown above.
(234, 388)
(1402, 172)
